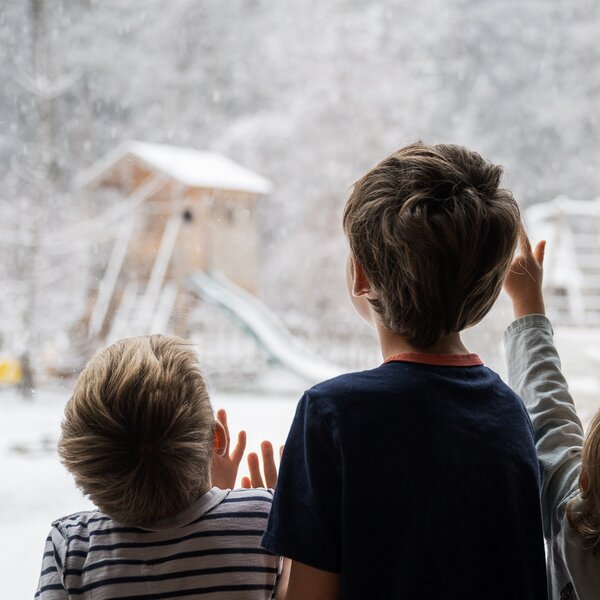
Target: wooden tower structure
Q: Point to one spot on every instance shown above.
(173, 211)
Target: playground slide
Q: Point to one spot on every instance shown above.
(264, 325)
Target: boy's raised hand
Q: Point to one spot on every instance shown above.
(523, 282)
(269, 468)
(224, 468)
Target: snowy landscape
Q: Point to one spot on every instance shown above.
(182, 168)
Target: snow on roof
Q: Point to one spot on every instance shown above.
(194, 168)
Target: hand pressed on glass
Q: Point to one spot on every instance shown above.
(523, 282)
(256, 479)
(225, 462)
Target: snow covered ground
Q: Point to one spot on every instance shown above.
(35, 489)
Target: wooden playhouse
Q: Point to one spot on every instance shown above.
(169, 212)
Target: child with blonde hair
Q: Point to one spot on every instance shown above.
(140, 438)
(570, 460)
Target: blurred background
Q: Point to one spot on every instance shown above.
(182, 167)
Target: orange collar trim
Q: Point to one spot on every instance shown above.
(443, 360)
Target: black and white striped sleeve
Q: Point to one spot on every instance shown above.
(50, 585)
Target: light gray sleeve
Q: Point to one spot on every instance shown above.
(534, 373)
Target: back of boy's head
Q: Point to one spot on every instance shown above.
(138, 430)
(584, 509)
(435, 234)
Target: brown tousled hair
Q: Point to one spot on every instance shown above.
(435, 234)
(583, 511)
(138, 430)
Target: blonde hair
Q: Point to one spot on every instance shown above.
(138, 430)
(583, 511)
(435, 234)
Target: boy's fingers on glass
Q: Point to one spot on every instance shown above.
(254, 467)
(246, 482)
(240, 448)
(269, 464)
(540, 251)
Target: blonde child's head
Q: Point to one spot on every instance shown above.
(138, 430)
(583, 511)
(434, 233)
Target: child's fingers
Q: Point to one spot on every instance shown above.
(254, 467)
(246, 482)
(539, 252)
(240, 448)
(269, 467)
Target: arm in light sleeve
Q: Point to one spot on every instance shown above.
(534, 372)
(304, 523)
(50, 584)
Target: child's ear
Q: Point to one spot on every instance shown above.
(361, 286)
(584, 481)
(219, 439)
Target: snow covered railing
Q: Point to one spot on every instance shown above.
(572, 264)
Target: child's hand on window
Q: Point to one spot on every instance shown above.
(523, 282)
(269, 468)
(224, 469)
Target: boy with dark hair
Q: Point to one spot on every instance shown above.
(419, 478)
(140, 438)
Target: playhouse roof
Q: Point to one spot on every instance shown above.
(194, 168)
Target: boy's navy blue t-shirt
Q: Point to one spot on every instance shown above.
(414, 480)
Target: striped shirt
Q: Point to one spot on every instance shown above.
(211, 551)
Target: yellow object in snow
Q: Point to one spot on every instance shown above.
(10, 370)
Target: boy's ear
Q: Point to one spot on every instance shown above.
(361, 286)
(219, 439)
